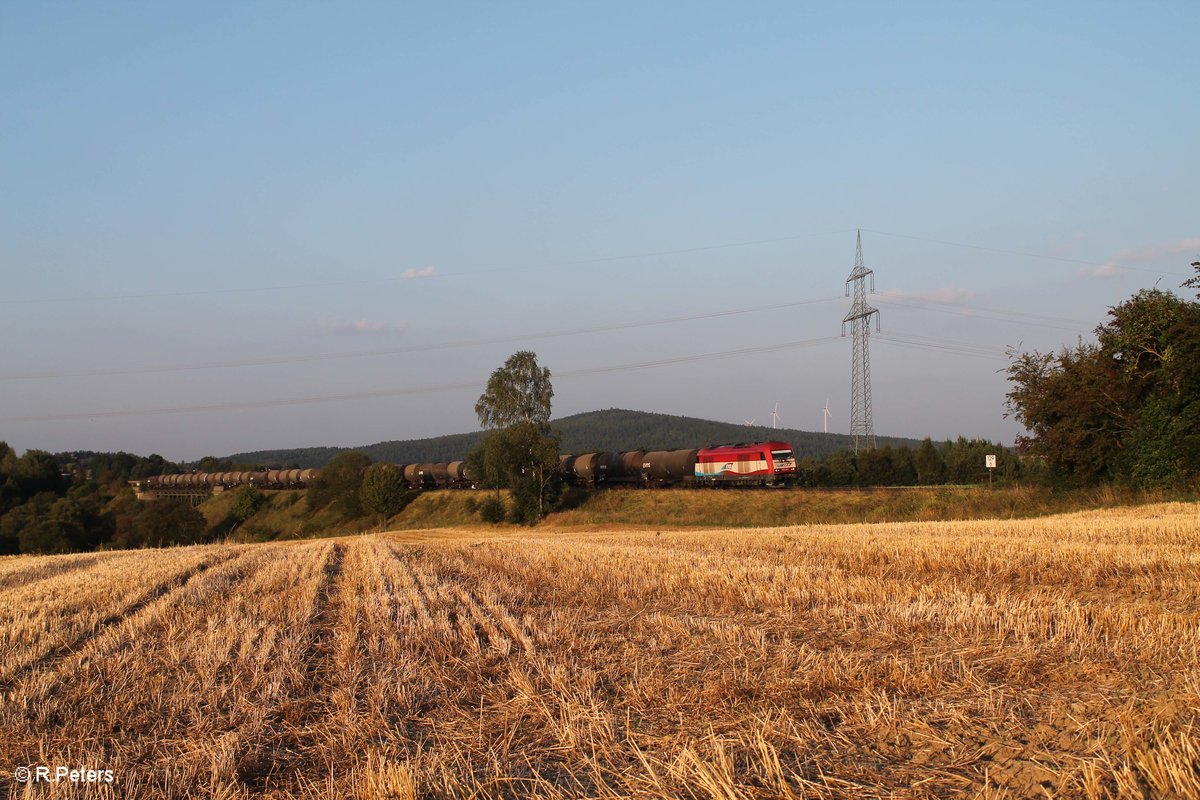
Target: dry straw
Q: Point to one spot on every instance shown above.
(1046, 657)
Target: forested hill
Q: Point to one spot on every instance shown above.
(613, 430)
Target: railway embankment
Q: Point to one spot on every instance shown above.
(285, 515)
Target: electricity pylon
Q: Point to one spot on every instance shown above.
(862, 426)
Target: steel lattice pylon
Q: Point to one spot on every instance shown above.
(862, 427)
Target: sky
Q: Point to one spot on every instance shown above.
(231, 227)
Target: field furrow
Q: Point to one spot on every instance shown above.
(58, 615)
(1041, 658)
(16, 573)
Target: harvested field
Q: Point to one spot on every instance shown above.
(1046, 657)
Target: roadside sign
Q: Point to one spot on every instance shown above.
(989, 462)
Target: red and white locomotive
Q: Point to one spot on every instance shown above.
(762, 463)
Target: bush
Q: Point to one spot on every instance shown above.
(162, 523)
(256, 532)
(384, 491)
(572, 497)
(492, 510)
(246, 502)
(339, 484)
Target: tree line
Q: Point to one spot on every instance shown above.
(608, 430)
(49, 504)
(1124, 408)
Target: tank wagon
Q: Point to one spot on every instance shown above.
(754, 464)
(264, 479)
(443, 475)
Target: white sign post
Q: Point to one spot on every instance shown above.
(989, 461)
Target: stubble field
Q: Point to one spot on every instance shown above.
(1031, 658)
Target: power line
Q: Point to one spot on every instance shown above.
(314, 399)
(950, 350)
(435, 274)
(979, 312)
(943, 345)
(905, 340)
(555, 264)
(955, 342)
(1023, 253)
(887, 298)
(391, 351)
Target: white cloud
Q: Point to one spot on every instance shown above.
(1064, 246)
(1156, 252)
(337, 326)
(424, 272)
(1108, 270)
(1186, 246)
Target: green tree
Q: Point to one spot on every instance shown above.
(1123, 408)
(384, 491)
(492, 509)
(807, 473)
(524, 459)
(123, 509)
(214, 464)
(904, 469)
(520, 453)
(840, 468)
(84, 514)
(339, 484)
(1068, 404)
(1194, 282)
(22, 529)
(161, 523)
(874, 467)
(928, 463)
(37, 471)
(246, 502)
(153, 464)
(518, 392)
(10, 492)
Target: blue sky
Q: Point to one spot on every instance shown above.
(401, 194)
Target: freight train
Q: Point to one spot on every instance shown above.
(754, 464)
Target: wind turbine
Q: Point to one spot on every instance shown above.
(750, 422)
(827, 414)
(775, 417)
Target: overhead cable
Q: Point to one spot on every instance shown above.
(415, 274)
(146, 369)
(396, 392)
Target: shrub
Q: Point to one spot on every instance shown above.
(492, 510)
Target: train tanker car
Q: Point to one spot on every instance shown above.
(668, 467)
